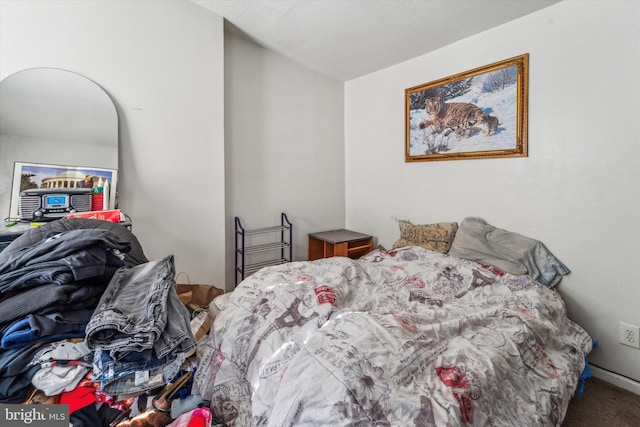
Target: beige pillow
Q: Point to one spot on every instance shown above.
(436, 237)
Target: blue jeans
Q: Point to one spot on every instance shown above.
(140, 310)
(124, 377)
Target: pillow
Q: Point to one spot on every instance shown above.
(436, 237)
(514, 253)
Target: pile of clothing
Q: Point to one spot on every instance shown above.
(47, 293)
(84, 322)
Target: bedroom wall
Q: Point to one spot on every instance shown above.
(162, 63)
(576, 191)
(284, 145)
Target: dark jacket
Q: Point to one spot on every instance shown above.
(63, 258)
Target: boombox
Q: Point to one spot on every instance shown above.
(50, 204)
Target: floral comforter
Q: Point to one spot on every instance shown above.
(407, 337)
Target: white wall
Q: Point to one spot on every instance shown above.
(162, 63)
(284, 142)
(577, 191)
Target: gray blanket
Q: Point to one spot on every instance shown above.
(510, 252)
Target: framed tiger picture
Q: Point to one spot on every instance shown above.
(477, 114)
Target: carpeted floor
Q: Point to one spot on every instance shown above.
(603, 405)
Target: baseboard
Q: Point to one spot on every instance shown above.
(615, 379)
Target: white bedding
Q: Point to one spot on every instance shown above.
(407, 337)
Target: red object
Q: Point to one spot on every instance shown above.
(201, 417)
(97, 201)
(325, 294)
(457, 380)
(493, 269)
(79, 397)
(112, 215)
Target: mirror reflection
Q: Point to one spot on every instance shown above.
(54, 117)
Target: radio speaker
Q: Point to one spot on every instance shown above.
(51, 204)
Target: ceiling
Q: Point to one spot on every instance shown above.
(345, 39)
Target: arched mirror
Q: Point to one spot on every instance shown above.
(54, 117)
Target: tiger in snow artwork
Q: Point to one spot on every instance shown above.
(460, 117)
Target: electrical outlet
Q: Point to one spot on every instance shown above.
(629, 335)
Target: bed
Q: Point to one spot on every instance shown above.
(403, 337)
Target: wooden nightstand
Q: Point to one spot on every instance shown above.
(339, 243)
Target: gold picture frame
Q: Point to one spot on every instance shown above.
(478, 114)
